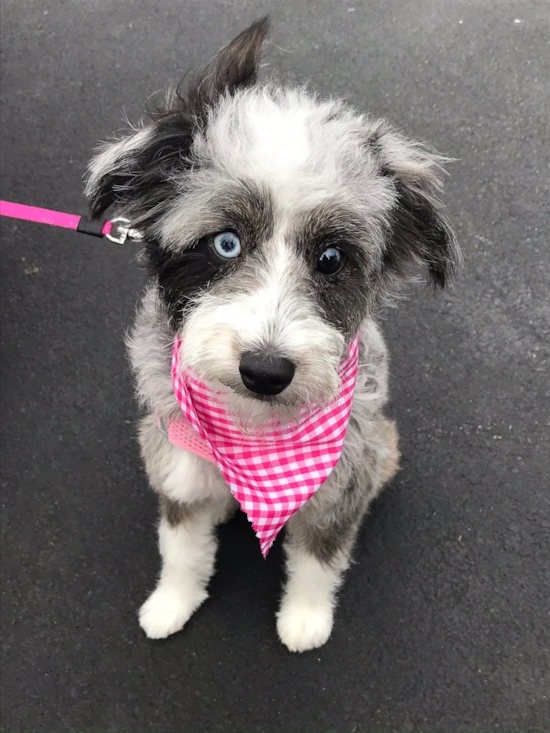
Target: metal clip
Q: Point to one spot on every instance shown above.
(122, 231)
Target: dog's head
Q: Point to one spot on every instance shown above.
(275, 224)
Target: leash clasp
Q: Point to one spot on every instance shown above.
(121, 231)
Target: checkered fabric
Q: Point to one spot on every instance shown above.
(272, 472)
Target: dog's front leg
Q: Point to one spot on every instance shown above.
(321, 535)
(193, 499)
(316, 561)
(187, 547)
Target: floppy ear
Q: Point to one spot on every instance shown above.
(137, 172)
(118, 173)
(418, 231)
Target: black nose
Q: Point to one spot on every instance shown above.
(265, 373)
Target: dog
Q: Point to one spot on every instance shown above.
(278, 225)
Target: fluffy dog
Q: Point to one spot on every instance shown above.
(275, 223)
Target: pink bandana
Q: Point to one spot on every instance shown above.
(274, 473)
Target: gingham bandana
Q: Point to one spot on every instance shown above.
(274, 472)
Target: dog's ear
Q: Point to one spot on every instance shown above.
(234, 67)
(418, 231)
(137, 172)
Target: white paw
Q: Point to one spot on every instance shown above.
(303, 627)
(168, 609)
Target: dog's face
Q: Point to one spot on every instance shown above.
(275, 223)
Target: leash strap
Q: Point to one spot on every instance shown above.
(118, 230)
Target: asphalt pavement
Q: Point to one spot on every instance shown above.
(443, 623)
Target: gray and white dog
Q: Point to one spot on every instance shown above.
(275, 223)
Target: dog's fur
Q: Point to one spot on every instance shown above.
(292, 175)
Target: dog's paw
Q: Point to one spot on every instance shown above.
(168, 609)
(301, 627)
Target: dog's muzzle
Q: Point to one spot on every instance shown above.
(266, 374)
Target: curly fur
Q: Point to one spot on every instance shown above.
(291, 174)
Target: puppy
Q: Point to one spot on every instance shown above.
(276, 224)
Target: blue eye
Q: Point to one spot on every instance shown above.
(330, 262)
(227, 245)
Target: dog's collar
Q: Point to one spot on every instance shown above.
(274, 473)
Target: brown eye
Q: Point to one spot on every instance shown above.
(330, 262)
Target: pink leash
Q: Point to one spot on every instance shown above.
(117, 230)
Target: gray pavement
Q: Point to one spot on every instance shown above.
(444, 619)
